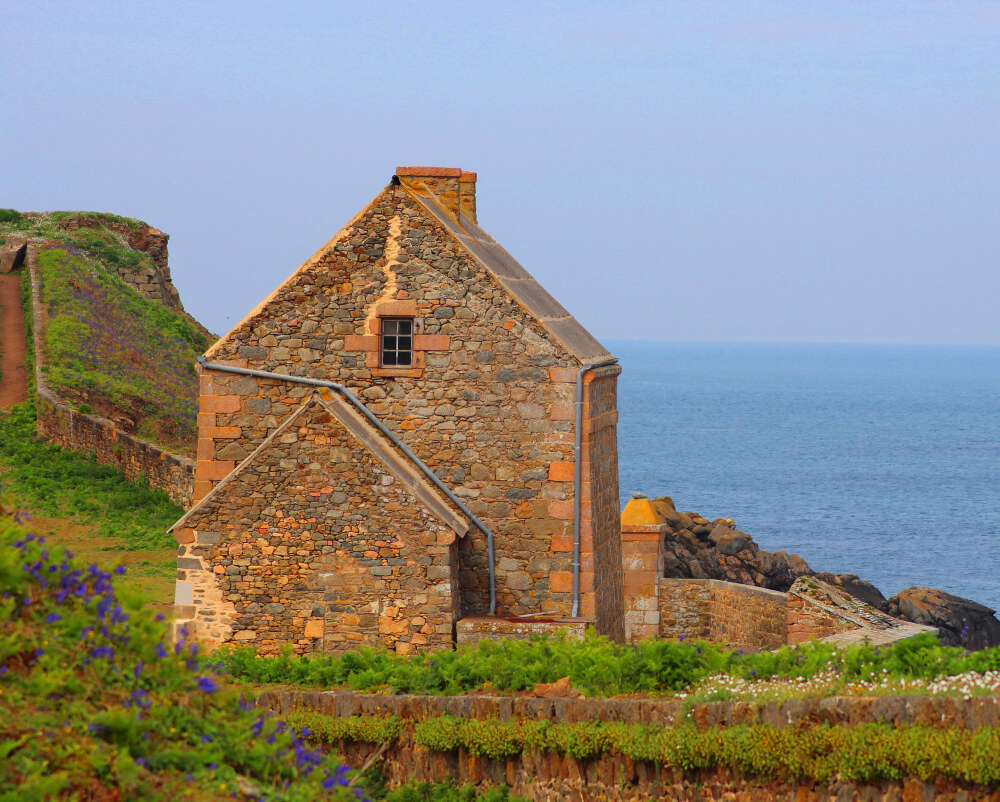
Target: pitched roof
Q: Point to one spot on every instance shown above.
(508, 272)
(369, 437)
(515, 279)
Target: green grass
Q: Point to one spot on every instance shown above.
(864, 753)
(58, 482)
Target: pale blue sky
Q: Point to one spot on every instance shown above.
(690, 171)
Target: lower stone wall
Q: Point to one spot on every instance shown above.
(545, 776)
(473, 629)
(615, 778)
(89, 433)
(741, 616)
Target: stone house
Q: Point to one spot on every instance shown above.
(408, 435)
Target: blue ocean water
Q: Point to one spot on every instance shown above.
(883, 461)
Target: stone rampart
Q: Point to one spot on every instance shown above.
(90, 433)
(741, 616)
(611, 776)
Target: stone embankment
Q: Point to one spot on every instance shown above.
(611, 776)
(702, 549)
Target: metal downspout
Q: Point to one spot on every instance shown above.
(359, 405)
(577, 476)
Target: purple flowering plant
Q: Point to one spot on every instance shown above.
(92, 695)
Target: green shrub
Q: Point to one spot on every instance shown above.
(10, 216)
(84, 409)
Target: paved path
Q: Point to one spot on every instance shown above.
(13, 375)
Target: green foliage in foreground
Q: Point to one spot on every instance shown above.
(95, 703)
(862, 753)
(54, 481)
(597, 666)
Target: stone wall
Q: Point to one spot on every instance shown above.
(599, 524)
(541, 776)
(474, 628)
(92, 434)
(488, 404)
(819, 610)
(319, 542)
(741, 616)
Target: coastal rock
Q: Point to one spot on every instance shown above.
(698, 549)
(961, 622)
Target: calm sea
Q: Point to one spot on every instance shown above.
(883, 461)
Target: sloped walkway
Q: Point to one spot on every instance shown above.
(13, 374)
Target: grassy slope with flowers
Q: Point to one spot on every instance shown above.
(122, 355)
(108, 349)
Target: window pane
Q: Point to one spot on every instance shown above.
(404, 343)
(389, 358)
(405, 358)
(390, 326)
(404, 326)
(388, 343)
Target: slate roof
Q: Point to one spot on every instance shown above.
(369, 437)
(516, 280)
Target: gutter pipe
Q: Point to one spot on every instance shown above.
(577, 477)
(359, 405)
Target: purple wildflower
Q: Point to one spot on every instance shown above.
(207, 685)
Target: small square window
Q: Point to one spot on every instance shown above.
(397, 342)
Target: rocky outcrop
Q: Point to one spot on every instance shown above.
(701, 549)
(153, 282)
(960, 622)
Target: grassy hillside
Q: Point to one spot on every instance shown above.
(106, 348)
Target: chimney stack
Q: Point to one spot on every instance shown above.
(453, 188)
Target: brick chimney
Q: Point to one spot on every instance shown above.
(454, 189)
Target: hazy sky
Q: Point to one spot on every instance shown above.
(785, 171)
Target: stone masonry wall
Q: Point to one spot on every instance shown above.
(545, 777)
(488, 405)
(600, 498)
(315, 544)
(62, 424)
(807, 621)
(642, 564)
(742, 616)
